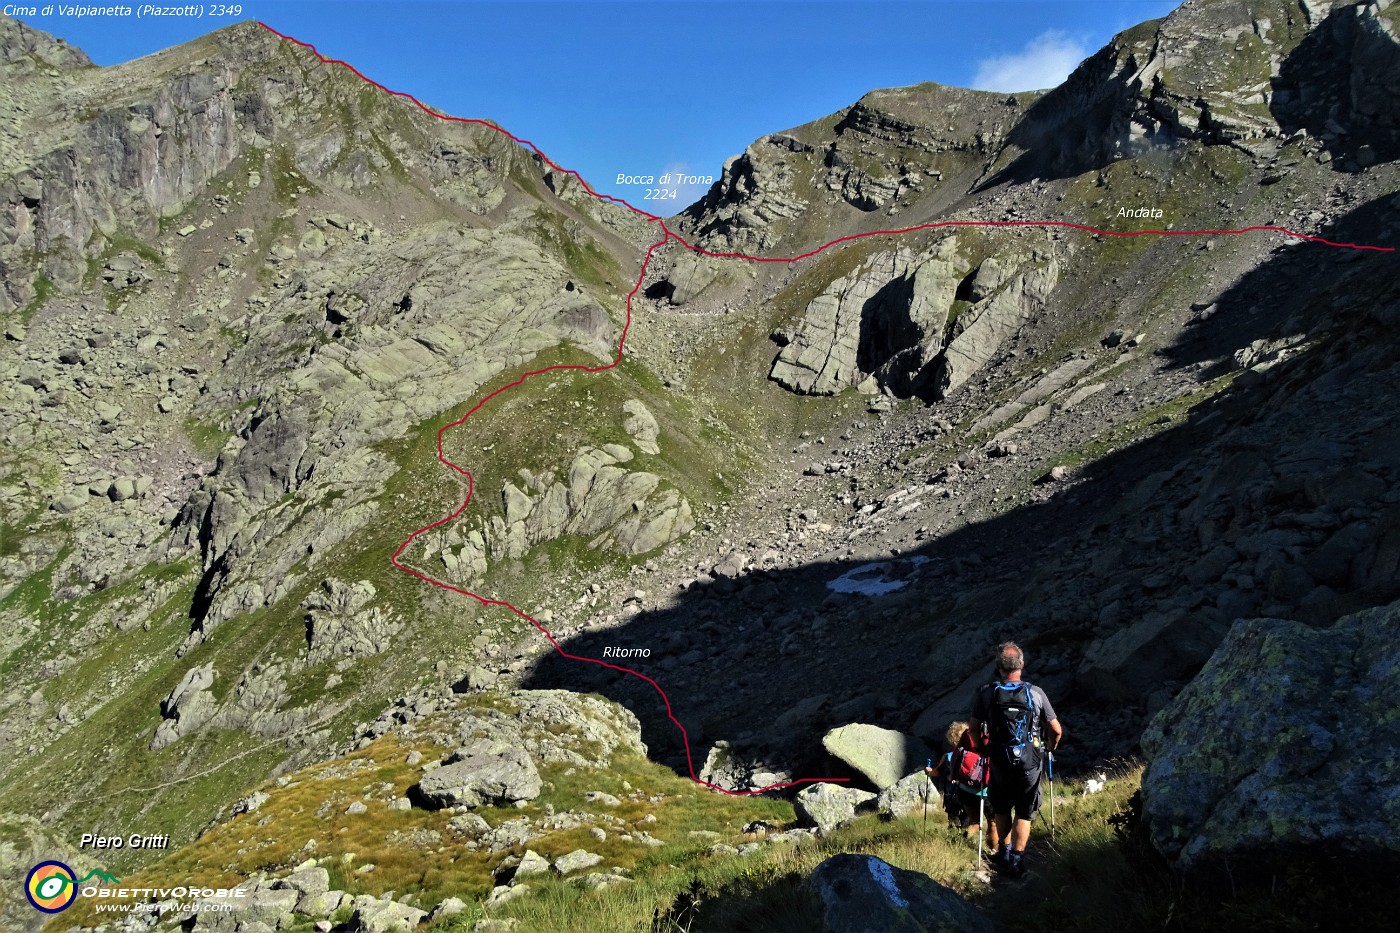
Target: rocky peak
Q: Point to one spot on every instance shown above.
(1232, 72)
(24, 49)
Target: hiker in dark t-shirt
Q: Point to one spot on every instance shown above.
(1021, 729)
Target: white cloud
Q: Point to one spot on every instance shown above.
(1043, 63)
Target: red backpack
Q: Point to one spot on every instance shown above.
(970, 768)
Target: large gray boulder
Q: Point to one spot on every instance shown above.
(483, 772)
(641, 424)
(311, 880)
(883, 756)
(827, 806)
(1287, 737)
(909, 796)
(864, 894)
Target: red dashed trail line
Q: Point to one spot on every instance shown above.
(667, 235)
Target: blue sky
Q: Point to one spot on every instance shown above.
(642, 88)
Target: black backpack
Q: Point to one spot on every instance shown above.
(1013, 724)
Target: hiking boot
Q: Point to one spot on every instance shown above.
(1016, 868)
(999, 861)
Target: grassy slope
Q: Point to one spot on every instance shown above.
(1096, 872)
(766, 891)
(415, 853)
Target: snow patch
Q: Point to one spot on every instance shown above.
(877, 578)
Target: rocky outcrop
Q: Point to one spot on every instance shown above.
(890, 148)
(1339, 83)
(189, 706)
(258, 704)
(341, 623)
(627, 511)
(641, 425)
(482, 773)
(551, 726)
(1243, 75)
(752, 196)
(979, 332)
(913, 325)
(1287, 738)
(862, 893)
(883, 756)
(889, 317)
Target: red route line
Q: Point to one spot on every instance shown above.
(669, 235)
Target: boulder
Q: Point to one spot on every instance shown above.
(576, 860)
(385, 917)
(321, 905)
(531, 863)
(1287, 738)
(864, 894)
(827, 806)
(307, 881)
(189, 706)
(68, 502)
(469, 824)
(908, 797)
(883, 756)
(641, 425)
(483, 772)
(449, 907)
(503, 893)
(266, 905)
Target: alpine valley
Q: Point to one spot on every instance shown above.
(242, 289)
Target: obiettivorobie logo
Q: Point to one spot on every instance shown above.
(53, 887)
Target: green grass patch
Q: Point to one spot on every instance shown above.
(415, 852)
(583, 257)
(44, 289)
(288, 182)
(207, 439)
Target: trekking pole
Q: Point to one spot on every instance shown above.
(928, 782)
(981, 814)
(1050, 770)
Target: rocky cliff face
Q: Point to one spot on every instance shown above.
(1285, 741)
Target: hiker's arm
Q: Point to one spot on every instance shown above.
(1056, 733)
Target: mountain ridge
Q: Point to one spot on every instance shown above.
(351, 300)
